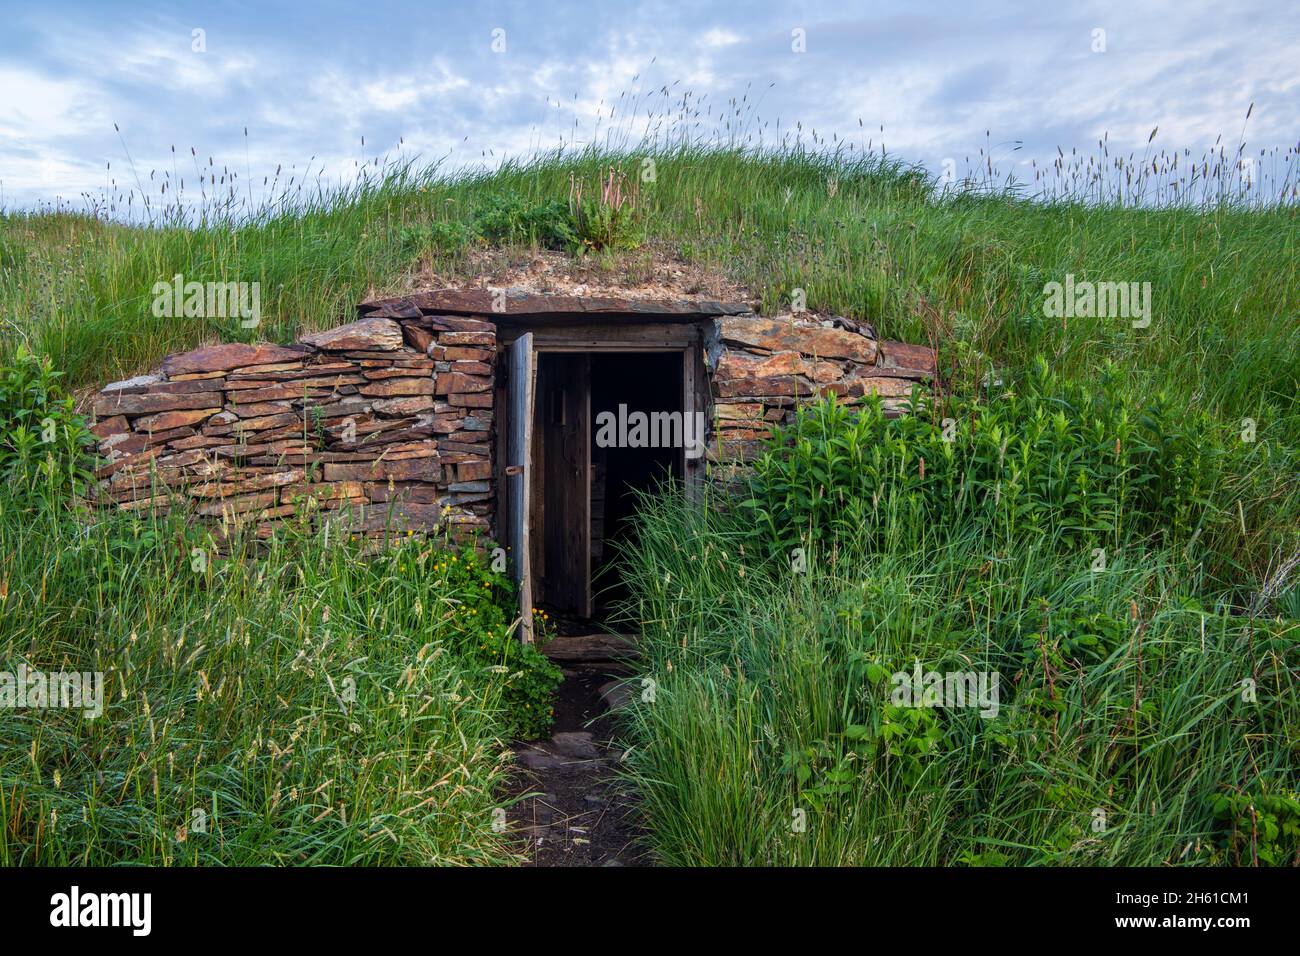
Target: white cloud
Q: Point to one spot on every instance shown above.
(716, 39)
(38, 106)
(937, 81)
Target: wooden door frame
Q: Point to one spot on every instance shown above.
(516, 467)
(687, 339)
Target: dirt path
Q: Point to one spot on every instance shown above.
(576, 811)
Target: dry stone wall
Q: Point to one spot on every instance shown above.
(762, 368)
(387, 424)
(381, 425)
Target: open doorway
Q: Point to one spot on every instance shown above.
(622, 385)
(606, 425)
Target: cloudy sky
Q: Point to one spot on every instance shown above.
(471, 83)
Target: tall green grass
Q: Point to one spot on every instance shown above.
(1072, 542)
(312, 706)
(770, 705)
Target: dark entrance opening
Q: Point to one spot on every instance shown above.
(599, 437)
(649, 383)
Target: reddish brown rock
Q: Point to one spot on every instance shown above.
(903, 356)
(245, 425)
(193, 376)
(276, 393)
(446, 424)
(256, 409)
(334, 381)
(183, 459)
(375, 334)
(379, 374)
(473, 470)
(788, 333)
(165, 421)
(196, 441)
(400, 360)
(110, 426)
(887, 387)
(413, 469)
(404, 406)
(468, 338)
(278, 369)
(456, 383)
(457, 353)
(739, 411)
(751, 387)
(256, 482)
(219, 358)
(412, 492)
(124, 443)
(188, 387)
(149, 402)
(400, 386)
(325, 491)
(470, 400)
(240, 505)
(448, 447)
(416, 337)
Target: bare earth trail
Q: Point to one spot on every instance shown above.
(577, 812)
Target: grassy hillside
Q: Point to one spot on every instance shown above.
(1173, 448)
(862, 236)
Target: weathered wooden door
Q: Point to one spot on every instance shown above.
(520, 386)
(566, 480)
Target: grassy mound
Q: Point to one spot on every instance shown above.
(1148, 713)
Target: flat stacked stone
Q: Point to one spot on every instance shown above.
(372, 424)
(762, 367)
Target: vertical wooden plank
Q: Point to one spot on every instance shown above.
(586, 602)
(566, 437)
(520, 387)
(538, 528)
(692, 468)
